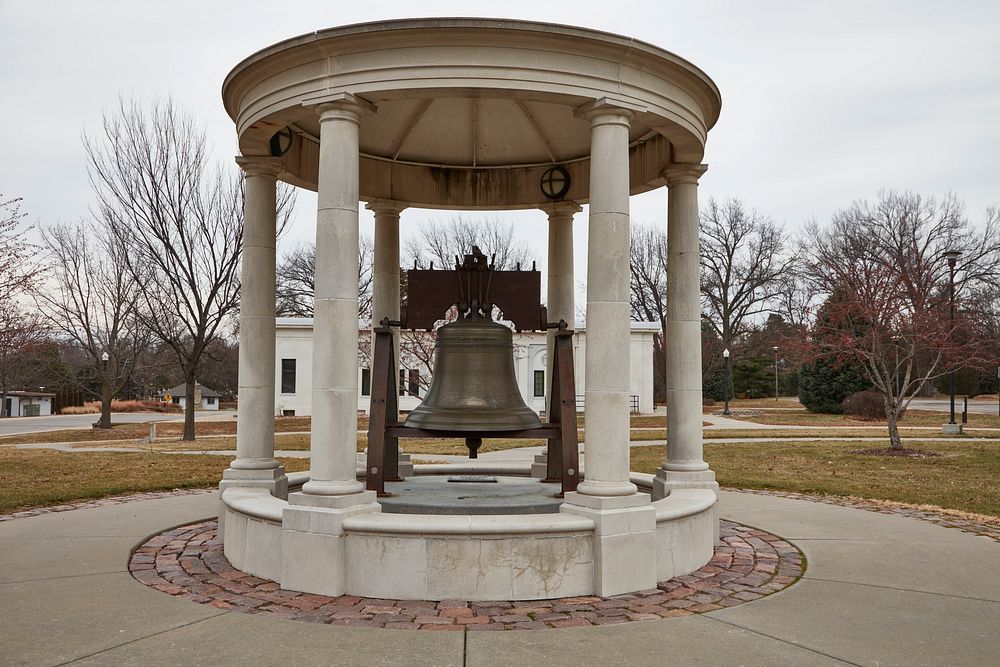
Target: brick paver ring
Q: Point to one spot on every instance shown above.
(188, 562)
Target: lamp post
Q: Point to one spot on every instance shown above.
(775, 348)
(725, 356)
(952, 257)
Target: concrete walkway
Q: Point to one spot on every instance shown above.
(878, 589)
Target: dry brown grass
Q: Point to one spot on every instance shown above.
(33, 478)
(962, 478)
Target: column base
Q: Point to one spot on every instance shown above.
(951, 429)
(345, 501)
(624, 540)
(272, 479)
(668, 480)
(313, 546)
(540, 466)
(405, 465)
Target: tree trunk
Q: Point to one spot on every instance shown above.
(891, 418)
(189, 409)
(3, 404)
(105, 420)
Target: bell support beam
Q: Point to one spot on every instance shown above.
(684, 466)
(255, 464)
(625, 521)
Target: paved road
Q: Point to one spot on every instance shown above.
(976, 406)
(17, 425)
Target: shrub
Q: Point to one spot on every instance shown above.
(94, 407)
(88, 409)
(866, 405)
(823, 385)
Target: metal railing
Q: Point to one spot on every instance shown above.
(581, 401)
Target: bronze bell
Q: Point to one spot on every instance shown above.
(473, 387)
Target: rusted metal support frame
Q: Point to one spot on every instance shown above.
(563, 452)
(382, 461)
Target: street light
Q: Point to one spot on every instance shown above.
(952, 257)
(775, 348)
(725, 355)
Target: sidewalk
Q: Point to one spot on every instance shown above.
(878, 589)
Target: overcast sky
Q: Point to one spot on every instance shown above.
(823, 102)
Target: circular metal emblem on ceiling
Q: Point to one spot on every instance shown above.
(555, 182)
(281, 141)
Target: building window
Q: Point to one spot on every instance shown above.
(288, 413)
(366, 382)
(210, 400)
(539, 384)
(414, 384)
(287, 376)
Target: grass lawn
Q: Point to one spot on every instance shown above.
(32, 478)
(963, 478)
(912, 418)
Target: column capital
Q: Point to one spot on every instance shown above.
(385, 207)
(607, 110)
(260, 165)
(679, 174)
(560, 209)
(340, 106)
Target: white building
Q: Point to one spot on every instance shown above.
(27, 404)
(293, 368)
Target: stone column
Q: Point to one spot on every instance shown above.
(335, 318)
(255, 464)
(385, 286)
(684, 466)
(385, 268)
(560, 297)
(625, 521)
(607, 412)
(561, 289)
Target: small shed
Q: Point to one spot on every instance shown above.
(28, 404)
(204, 398)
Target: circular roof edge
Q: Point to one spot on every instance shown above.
(389, 25)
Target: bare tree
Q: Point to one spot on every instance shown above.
(648, 292)
(795, 299)
(743, 262)
(648, 274)
(181, 221)
(92, 300)
(440, 242)
(296, 276)
(18, 268)
(20, 331)
(883, 264)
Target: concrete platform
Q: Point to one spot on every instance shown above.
(878, 589)
(436, 494)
